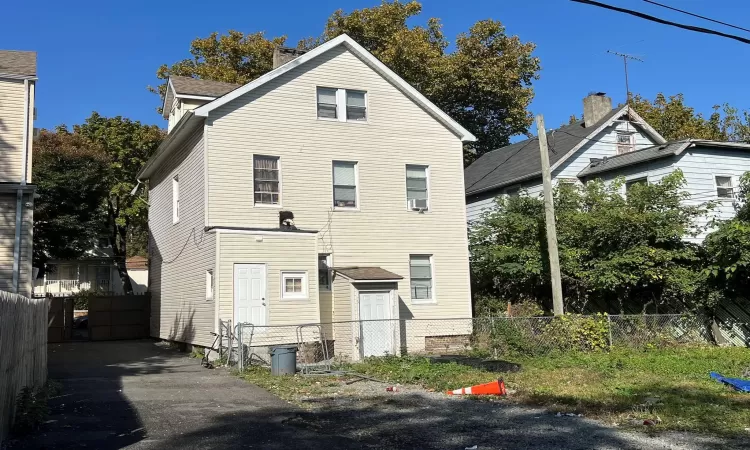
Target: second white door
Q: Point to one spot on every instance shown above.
(376, 329)
(250, 294)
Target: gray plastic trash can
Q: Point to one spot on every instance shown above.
(284, 360)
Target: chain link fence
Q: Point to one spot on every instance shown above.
(324, 345)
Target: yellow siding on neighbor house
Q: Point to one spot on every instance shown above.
(12, 129)
(279, 253)
(280, 119)
(8, 202)
(182, 252)
(342, 312)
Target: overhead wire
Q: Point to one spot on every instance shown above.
(696, 15)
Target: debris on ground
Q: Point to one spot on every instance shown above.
(646, 422)
(738, 384)
(491, 388)
(570, 414)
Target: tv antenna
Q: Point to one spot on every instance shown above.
(625, 58)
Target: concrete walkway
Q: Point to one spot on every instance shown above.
(139, 394)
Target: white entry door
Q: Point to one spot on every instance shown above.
(250, 294)
(376, 329)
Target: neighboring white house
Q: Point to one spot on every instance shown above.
(96, 271)
(367, 167)
(17, 87)
(606, 144)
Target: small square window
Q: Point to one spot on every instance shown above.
(724, 187)
(294, 285)
(625, 143)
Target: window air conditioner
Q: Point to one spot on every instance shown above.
(418, 204)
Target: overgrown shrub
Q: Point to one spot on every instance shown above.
(577, 332)
(81, 299)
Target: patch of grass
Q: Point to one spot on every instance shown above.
(198, 352)
(289, 387)
(617, 386)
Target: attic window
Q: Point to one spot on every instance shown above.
(625, 142)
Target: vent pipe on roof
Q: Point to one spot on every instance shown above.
(595, 106)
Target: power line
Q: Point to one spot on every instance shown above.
(696, 15)
(664, 22)
(502, 163)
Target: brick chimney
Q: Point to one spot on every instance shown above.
(282, 55)
(595, 106)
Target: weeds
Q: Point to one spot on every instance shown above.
(32, 407)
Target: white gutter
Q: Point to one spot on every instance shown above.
(19, 192)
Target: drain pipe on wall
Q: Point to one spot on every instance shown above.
(19, 193)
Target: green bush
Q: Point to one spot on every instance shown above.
(576, 332)
(81, 299)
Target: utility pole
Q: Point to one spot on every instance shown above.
(549, 215)
(625, 58)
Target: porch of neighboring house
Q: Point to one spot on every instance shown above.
(65, 278)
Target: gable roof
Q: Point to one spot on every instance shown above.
(673, 148)
(13, 62)
(368, 59)
(522, 161)
(189, 87)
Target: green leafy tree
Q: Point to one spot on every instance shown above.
(127, 145)
(485, 83)
(71, 178)
(617, 253)
(674, 120)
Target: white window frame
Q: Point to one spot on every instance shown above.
(512, 191)
(281, 198)
(356, 187)
(175, 199)
(341, 105)
(716, 186)
(427, 180)
(286, 274)
(433, 298)
(209, 284)
(328, 287)
(631, 139)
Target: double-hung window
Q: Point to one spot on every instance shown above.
(266, 180)
(420, 274)
(175, 199)
(638, 181)
(344, 105)
(625, 142)
(724, 188)
(344, 184)
(417, 196)
(324, 272)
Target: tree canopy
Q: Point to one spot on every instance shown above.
(675, 120)
(485, 82)
(617, 252)
(71, 178)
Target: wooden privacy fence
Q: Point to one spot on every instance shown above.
(23, 350)
(119, 317)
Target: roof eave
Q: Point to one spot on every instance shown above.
(166, 146)
(15, 76)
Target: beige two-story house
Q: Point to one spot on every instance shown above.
(17, 83)
(328, 190)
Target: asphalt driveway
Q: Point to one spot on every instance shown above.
(140, 394)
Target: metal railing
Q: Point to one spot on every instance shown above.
(67, 287)
(321, 345)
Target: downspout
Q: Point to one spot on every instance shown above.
(19, 192)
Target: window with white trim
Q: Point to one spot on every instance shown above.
(629, 184)
(420, 275)
(417, 192)
(209, 284)
(344, 105)
(266, 180)
(175, 199)
(625, 142)
(324, 272)
(294, 285)
(344, 184)
(724, 187)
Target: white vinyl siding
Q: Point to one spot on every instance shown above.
(420, 274)
(266, 180)
(280, 118)
(175, 199)
(8, 204)
(345, 184)
(12, 129)
(180, 253)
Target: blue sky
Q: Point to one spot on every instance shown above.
(101, 56)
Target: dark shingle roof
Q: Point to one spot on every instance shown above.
(18, 63)
(521, 160)
(636, 157)
(194, 86)
(367, 273)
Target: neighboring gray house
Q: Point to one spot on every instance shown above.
(367, 166)
(17, 84)
(606, 144)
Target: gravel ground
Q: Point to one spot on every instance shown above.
(414, 418)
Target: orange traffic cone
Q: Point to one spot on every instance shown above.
(491, 388)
